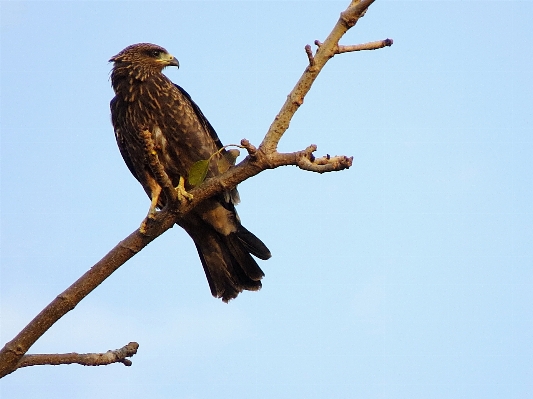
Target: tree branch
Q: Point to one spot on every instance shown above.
(358, 47)
(259, 159)
(347, 19)
(86, 359)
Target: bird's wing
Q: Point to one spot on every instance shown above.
(228, 158)
(122, 146)
(201, 117)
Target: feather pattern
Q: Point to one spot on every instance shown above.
(145, 99)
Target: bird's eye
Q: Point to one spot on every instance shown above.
(155, 53)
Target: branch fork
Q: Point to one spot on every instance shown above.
(266, 156)
(339, 49)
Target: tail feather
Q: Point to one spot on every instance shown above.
(226, 259)
(241, 255)
(253, 244)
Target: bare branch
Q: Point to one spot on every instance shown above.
(86, 359)
(366, 46)
(356, 10)
(252, 151)
(258, 159)
(13, 351)
(305, 160)
(358, 47)
(347, 19)
(309, 55)
(326, 164)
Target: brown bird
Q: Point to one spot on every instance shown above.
(145, 99)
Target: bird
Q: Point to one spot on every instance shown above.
(147, 100)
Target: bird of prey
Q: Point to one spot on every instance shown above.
(145, 99)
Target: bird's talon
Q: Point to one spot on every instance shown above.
(142, 227)
(181, 192)
(170, 119)
(183, 195)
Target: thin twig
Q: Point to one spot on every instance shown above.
(250, 148)
(347, 19)
(85, 359)
(258, 160)
(309, 53)
(359, 47)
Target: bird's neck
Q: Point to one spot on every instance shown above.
(125, 78)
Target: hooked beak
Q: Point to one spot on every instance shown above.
(173, 62)
(169, 60)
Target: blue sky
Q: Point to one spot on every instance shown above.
(407, 276)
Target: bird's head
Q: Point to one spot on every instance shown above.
(144, 56)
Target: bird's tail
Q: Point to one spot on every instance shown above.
(227, 261)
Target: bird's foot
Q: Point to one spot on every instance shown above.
(152, 211)
(181, 192)
(149, 217)
(142, 227)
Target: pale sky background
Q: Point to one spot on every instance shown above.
(408, 276)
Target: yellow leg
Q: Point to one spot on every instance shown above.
(155, 199)
(182, 193)
(153, 205)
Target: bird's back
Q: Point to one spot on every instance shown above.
(147, 100)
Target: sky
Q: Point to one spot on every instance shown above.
(407, 276)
